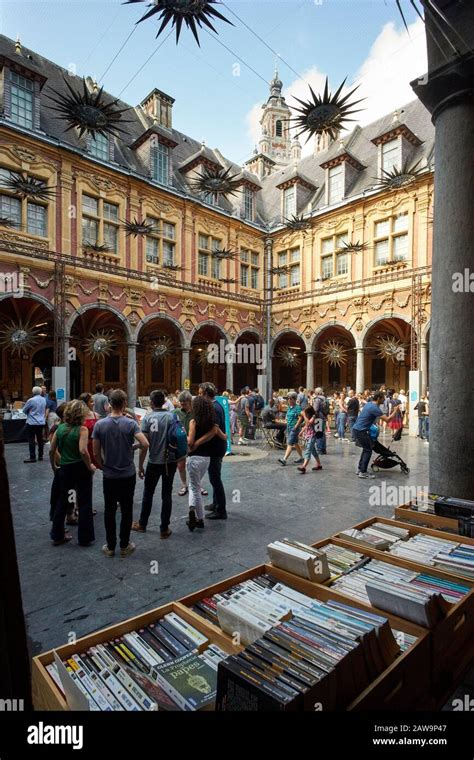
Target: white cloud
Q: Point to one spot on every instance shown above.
(394, 60)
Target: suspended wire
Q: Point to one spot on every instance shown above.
(145, 63)
(118, 53)
(85, 60)
(216, 39)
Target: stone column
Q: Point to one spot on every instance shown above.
(360, 370)
(66, 346)
(448, 93)
(424, 366)
(310, 370)
(184, 366)
(229, 372)
(132, 374)
(268, 313)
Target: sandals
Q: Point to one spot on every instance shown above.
(183, 491)
(204, 492)
(67, 537)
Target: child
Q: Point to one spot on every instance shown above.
(309, 434)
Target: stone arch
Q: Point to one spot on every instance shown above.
(323, 328)
(425, 331)
(30, 297)
(286, 331)
(100, 307)
(206, 323)
(251, 330)
(360, 341)
(166, 317)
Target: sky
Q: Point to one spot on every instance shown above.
(219, 87)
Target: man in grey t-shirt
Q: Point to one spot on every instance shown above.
(156, 425)
(101, 402)
(113, 440)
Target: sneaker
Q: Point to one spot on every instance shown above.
(427, 443)
(89, 543)
(336, 435)
(241, 442)
(200, 524)
(210, 507)
(191, 521)
(108, 552)
(139, 528)
(301, 469)
(67, 537)
(128, 550)
(217, 516)
(282, 462)
(318, 467)
(165, 533)
(366, 475)
(299, 461)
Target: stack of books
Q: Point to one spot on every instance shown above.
(366, 539)
(390, 534)
(447, 555)
(169, 665)
(425, 608)
(355, 584)
(299, 559)
(319, 660)
(342, 560)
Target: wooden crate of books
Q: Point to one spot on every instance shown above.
(407, 513)
(46, 693)
(405, 682)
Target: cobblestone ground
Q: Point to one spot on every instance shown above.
(74, 589)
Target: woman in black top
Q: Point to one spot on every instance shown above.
(202, 428)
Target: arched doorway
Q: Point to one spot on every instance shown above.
(248, 361)
(158, 356)
(96, 361)
(17, 373)
(335, 359)
(387, 354)
(289, 362)
(201, 370)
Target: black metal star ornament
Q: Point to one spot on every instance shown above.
(325, 114)
(399, 177)
(219, 181)
(28, 187)
(138, 228)
(194, 13)
(298, 223)
(88, 111)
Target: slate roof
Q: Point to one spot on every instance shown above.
(268, 199)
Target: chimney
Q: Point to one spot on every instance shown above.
(159, 106)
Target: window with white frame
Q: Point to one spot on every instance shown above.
(100, 223)
(249, 268)
(289, 202)
(249, 204)
(99, 147)
(291, 260)
(22, 100)
(390, 155)
(23, 213)
(333, 257)
(208, 265)
(391, 240)
(160, 242)
(160, 163)
(335, 184)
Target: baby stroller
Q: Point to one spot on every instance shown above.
(386, 459)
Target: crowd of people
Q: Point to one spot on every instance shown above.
(186, 434)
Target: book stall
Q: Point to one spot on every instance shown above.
(377, 617)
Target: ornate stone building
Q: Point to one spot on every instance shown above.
(74, 270)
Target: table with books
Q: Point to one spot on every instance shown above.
(376, 617)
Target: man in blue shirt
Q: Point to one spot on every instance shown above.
(35, 410)
(293, 424)
(371, 413)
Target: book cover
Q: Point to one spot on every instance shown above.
(189, 681)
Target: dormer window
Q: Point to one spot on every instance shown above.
(335, 184)
(160, 163)
(390, 155)
(249, 204)
(22, 100)
(99, 147)
(289, 202)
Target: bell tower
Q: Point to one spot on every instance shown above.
(275, 142)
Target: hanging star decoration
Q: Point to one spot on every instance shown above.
(390, 348)
(172, 267)
(325, 114)
(438, 19)
(397, 177)
(203, 358)
(228, 280)
(88, 111)
(352, 247)
(225, 254)
(28, 187)
(9, 223)
(334, 353)
(298, 223)
(218, 181)
(161, 348)
(96, 248)
(194, 13)
(20, 337)
(287, 357)
(100, 344)
(138, 228)
(280, 270)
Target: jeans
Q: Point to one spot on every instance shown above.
(119, 490)
(218, 496)
(351, 421)
(196, 467)
(74, 478)
(35, 431)
(363, 439)
(426, 427)
(152, 475)
(341, 424)
(310, 449)
(321, 442)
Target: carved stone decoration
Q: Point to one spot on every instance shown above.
(133, 318)
(23, 154)
(359, 325)
(189, 307)
(188, 325)
(103, 292)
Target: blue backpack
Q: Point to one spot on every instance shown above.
(177, 441)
